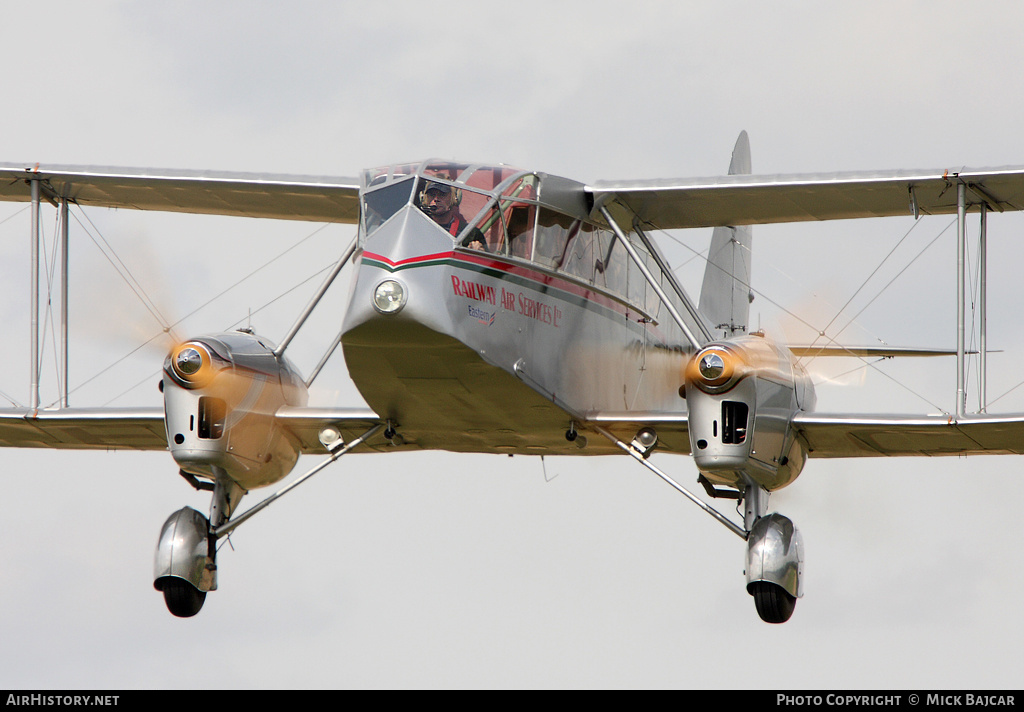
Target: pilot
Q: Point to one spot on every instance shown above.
(441, 203)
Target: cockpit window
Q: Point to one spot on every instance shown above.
(450, 206)
(507, 224)
(488, 178)
(478, 205)
(379, 205)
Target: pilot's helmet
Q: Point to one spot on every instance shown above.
(443, 189)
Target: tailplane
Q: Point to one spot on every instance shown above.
(725, 295)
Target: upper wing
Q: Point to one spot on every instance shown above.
(239, 194)
(695, 202)
(837, 435)
(753, 199)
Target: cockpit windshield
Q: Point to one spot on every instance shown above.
(482, 207)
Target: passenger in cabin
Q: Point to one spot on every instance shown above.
(474, 240)
(441, 203)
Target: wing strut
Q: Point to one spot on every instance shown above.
(983, 307)
(40, 190)
(961, 252)
(64, 302)
(639, 457)
(316, 298)
(961, 324)
(34, 286)
(654, 283)
(337, 448)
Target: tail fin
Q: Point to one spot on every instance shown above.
(725, 295)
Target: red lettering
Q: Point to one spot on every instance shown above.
(472, 290)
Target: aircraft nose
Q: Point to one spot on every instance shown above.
(401, 275)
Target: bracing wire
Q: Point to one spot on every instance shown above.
(231, 326)
(864, 284)
(125, 274)
(168, 327)
(821, 332)
(899, 274)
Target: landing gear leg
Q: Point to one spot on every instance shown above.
(226, 496)
(185, 567)
(755, 504)
(775, 550)
(186, 556)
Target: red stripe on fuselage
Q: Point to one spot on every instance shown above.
(409, 260)
(532, 274)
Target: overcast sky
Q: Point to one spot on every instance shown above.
(440, 570)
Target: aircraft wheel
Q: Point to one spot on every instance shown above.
(774, 603)
(182, 598)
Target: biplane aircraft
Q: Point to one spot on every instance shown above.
(507, 311)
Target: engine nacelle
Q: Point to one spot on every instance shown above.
(220, 396)
(775, 553)
(741, 395)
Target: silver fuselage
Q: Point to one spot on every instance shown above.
(494, 350)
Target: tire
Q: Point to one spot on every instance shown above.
(774, 604)
(182, 598)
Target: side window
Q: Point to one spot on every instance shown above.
(611, 262)
(653, 300)
(580, 259)
(636, 287)
(552, 236)
(490, 230)
(520, 217)
(519, 220)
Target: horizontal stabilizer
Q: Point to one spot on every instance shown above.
(812, 351)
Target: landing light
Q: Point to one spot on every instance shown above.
(389, 297)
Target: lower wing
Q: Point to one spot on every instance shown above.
(143, 428)
(848, 435)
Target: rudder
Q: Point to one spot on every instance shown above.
(725, 295)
